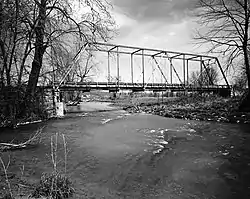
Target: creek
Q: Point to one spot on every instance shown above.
(114, 154)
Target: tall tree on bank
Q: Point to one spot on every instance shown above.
(9, 30)
(94, 24)
(226, 29)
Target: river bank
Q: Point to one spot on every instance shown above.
(210, 108)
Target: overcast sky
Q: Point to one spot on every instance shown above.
(162, 24)
(166, 24)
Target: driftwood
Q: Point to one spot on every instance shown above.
(34, 139)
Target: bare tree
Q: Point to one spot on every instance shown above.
(239, 83)
(226, 29)
(30, 28)
(63, 57)
(209, 76)
(10, 35)
(95, 24)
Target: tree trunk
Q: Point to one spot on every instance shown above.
(245, 104)
(39, 52)
(1, 47)
(7, 72)
(26, 53)
(12, 52)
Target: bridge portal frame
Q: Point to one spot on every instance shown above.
(156, 53)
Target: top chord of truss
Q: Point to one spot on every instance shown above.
(131, 50)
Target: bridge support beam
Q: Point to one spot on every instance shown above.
(184, 70)
(109, 67)
(132, 67)
(118, 67)
(143, 69)
(201, 72)
(187, 73)
(171, 71)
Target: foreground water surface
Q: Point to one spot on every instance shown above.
(113, 154)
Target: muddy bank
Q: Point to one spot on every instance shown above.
(199, 108)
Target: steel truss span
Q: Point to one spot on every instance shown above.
(181, 73)
(170, 56)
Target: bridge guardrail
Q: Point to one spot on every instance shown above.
(129, 85)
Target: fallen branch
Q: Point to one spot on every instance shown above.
(31, 141)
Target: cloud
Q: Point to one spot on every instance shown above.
(159, 35)
(122, 20)
(172, 34)
(170, 11)
(166, 24)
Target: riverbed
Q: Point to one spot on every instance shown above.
(115, 154)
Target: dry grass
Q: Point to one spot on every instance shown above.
(54, 185)
(9, 194)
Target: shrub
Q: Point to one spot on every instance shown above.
(54, 185)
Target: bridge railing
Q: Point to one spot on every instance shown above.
(130, 85)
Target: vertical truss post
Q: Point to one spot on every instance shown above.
(108, 66)
(171, 71)
(187, 72)
(118, 67)
(166, 66)
(201, 75)
(143, 69)
(184, 71)
(132, 68)
(153, 73)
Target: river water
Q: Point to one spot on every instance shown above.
(113, 154)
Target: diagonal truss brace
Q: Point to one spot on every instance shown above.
(160, 69)
(209, 77)
(172, 65)
(69, 69)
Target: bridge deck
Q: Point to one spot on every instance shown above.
(135, 86)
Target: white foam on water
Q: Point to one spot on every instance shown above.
(157, 151)
(158, 145)
(106, 121)
(148, 136)
(192, 130)
(84, 114)
(163, 142)
(155, 141)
